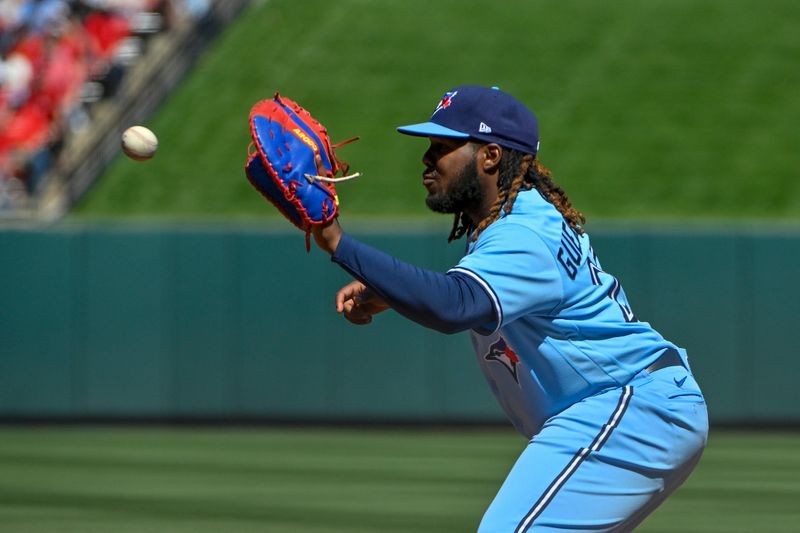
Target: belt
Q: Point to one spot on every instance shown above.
(666, 360)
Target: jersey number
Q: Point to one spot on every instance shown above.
(614, 292)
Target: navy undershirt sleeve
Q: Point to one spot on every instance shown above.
(448, 303)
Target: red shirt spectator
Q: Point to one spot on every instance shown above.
(65, 70)
(28, 129)
(106, 30)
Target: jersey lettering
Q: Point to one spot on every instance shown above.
(569, 255)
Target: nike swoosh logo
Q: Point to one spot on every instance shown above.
(680, 382)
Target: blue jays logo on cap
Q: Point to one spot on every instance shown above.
(446, 100)
(485, 114)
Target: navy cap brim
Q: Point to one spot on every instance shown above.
(431, 129)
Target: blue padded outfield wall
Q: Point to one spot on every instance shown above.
(195, 321)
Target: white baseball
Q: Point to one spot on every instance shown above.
(139, 143)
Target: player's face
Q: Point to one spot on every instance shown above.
(451, 176)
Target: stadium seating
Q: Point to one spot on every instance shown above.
(57, 59)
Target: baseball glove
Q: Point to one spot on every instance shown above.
(291, 162)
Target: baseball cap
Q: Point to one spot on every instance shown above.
(483, 113)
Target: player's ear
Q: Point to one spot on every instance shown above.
(490, 158)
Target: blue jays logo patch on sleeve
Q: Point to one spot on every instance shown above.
(446, 100)
(501, 353)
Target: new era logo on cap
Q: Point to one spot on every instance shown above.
(467, 112)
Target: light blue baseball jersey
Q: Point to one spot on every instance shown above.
(564, 329)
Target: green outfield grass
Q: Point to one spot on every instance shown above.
(326, 481)
(657, 109)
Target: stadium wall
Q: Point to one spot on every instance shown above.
(107, 321)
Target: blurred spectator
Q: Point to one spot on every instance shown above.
(58, 57)
(16, 78)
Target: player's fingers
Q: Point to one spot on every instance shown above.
(341, 297)
(356, 312)
(358, 317)
(348, 292)
(344, 302)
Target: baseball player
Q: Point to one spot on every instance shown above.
(614, 417)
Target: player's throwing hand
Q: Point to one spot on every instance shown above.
(358, 303)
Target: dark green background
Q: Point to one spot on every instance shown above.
(239, 321)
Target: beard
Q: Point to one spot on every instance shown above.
(464, 192)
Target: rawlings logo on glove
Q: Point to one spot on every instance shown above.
(292, 152)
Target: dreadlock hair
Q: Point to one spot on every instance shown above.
(461, 224)
(520, 171)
